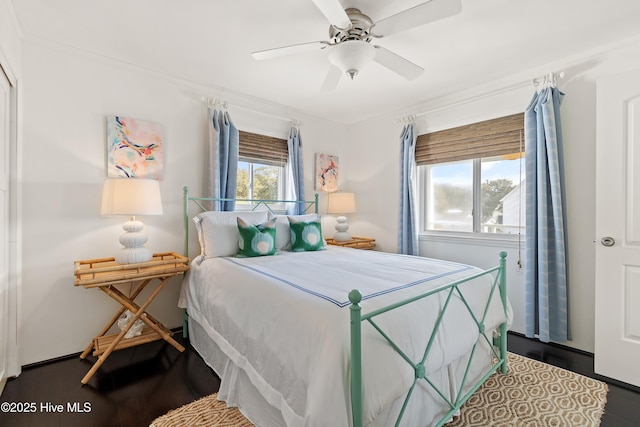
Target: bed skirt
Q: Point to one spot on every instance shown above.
(237, 390)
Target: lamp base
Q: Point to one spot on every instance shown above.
(342, 233)
(133, 241)
(133, 255)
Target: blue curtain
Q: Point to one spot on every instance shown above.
(546, 280)
(407, 224)
(296, 172)
(222, 170)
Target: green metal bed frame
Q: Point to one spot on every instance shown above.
(498, 343)
(255, 204)
(452, 289)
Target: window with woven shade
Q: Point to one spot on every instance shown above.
(261, 167)
(263, 149)
(472, 176)
(489, 138)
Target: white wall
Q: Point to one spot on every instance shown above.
(375, 172)
(67, 96)
(10, 34)
(65, 103)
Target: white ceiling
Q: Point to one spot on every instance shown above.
(209, 42)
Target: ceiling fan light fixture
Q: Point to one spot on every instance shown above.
(350, 56)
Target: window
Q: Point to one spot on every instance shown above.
(501, 202)
(260, 181)
(471, 177)
(450, 196)
(261, 168)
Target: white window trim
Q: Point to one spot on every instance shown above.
(282, 187)
(477, 237)
(480, 239)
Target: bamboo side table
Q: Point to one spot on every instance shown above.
(104, 274)
(355, 242)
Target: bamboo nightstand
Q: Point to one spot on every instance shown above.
(355, 242)
(103, 274)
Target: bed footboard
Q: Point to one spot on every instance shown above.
(500, 355)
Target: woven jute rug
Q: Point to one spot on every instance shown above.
(205, 412)
(531, 394)
(534, 394)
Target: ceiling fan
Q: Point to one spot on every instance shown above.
(351, 33)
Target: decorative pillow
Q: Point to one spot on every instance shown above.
(306, 236)
(256, 240)
(218, 231)
(283, 233)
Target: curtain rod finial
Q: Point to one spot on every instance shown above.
(407, 119)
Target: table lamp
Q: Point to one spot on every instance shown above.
(132, 196)
(341, 203)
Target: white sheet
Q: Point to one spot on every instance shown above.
(280, 320)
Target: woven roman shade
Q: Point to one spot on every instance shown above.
(490, 138)
(263, 149)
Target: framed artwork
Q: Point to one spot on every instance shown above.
(326, 172)
(134, 148)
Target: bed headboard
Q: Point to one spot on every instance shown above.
(200, 203)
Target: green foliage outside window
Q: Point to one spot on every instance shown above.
(449, 197)
(492, 192)
(242, 191)
(265, 182)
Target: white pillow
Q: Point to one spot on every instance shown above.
(283, 233)
(218, 230)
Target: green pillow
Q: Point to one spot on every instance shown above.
(256, 240)
(306, 236)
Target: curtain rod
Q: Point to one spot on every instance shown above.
(550, 78)
(536, 81)
(407, 119)
(217, 102)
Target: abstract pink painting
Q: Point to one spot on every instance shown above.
(134, 148)
(326, 172)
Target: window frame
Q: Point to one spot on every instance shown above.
(282, 186)
(422, 186)
(476, 221)
(263, 150)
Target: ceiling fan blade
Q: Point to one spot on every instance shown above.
(333, 78)
(289, 50)
(397, 63)
(334, 12)
(421, 14)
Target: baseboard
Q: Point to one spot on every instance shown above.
(177, 330)
(552, 344)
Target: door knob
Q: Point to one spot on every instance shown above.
(608, 241)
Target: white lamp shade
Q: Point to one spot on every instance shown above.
(350, 56)
(131, 196)
(341, 203)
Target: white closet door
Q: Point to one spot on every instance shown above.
(5, 238)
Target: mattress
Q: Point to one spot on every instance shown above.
(280, 326)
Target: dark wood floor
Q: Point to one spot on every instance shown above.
(132, 388)
(623, 400)
(136, 385)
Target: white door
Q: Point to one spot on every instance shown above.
(617, 320)
(5, 164)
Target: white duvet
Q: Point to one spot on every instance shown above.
(284, 320)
